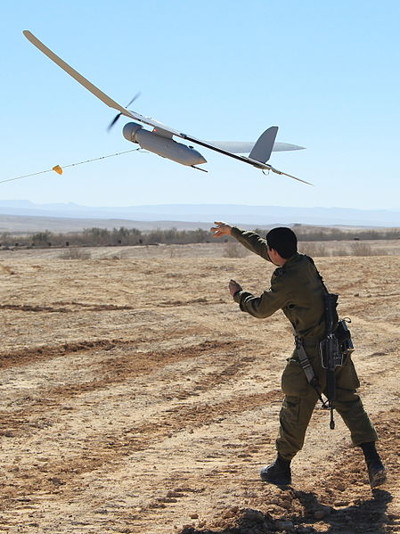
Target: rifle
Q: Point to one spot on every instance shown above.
(330, 350)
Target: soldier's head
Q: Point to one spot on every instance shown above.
(283, 241)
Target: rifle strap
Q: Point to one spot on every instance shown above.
(326, 290)
(308, 369)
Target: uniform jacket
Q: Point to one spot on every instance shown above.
(296, 289)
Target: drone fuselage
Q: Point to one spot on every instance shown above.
(163, 145)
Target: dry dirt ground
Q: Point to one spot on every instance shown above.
(137, 398)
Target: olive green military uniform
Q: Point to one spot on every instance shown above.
(297, 289)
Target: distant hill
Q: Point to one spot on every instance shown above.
(17, 215)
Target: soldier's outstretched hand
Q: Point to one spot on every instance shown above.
(220, 229)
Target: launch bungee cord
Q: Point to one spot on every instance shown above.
(60, 169)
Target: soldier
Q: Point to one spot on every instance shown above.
(298, 290)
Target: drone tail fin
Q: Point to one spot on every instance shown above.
(261, 151)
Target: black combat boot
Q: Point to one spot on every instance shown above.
(376, 469)
(277, 473)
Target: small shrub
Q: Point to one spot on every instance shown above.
(235, 250)
(364, 249)
(75, 254)
(314, 250)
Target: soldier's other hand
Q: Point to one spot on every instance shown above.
(234, 287)
(220, 229)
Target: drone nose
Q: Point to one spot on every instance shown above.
(200, 158)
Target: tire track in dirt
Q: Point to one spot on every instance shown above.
(169, 420)
(24, 357)
(32, 308)
(71, 307)
(109, 449)
(111, 371)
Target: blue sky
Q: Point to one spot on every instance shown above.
(326, 73)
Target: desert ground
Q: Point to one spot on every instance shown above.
(137, 398)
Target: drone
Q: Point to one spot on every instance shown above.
(160, 140)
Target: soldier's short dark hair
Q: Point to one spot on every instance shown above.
(283, 240)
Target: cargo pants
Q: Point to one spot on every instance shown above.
(301, 398)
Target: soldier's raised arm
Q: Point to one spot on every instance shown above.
(250, 240)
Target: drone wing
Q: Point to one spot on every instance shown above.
(72, 72)
(92, 88)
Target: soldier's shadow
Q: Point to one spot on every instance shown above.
(367, 516)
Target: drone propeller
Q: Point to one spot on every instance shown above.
(115, 119)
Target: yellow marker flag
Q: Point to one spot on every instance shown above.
(57, 169)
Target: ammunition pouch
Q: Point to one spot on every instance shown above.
(343, 335)
(336, 346)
